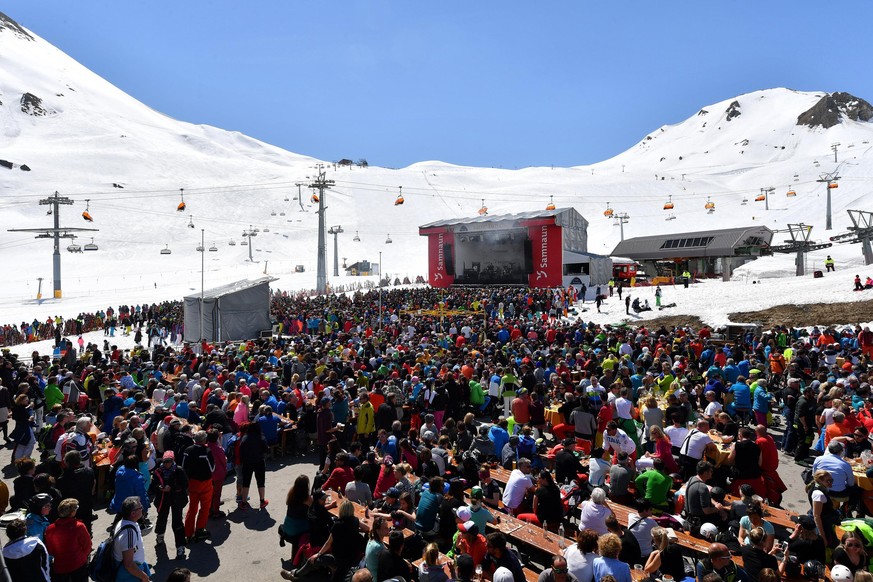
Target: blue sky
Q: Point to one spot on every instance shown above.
(504, 84)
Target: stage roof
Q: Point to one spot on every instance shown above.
(558, 213)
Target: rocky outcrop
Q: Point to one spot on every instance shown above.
(830, 110)
(32, 105)
(7, 23)
(733, 110)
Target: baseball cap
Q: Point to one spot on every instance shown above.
(393, 492)
(169, 455)
(463, 513)
(469, 527)
(806, 522)
(477, 493)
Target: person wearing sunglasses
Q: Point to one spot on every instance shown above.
(857, 442)
(718, 560)
(850, 553)
(559, 572)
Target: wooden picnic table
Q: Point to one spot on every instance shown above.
(364, 515)
(775, 515)
(860, 471)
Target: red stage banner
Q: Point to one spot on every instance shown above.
(441, 254)
(547, 256)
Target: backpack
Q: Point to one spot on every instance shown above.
(43, 437)
(230, 450)
(103, 567)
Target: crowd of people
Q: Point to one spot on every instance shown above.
(611, 436)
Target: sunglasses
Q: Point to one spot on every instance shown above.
(560, 570)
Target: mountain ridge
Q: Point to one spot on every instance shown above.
(98, 137)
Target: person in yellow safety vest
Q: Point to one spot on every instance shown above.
(611, 285)
(829, 264)
(686, 278)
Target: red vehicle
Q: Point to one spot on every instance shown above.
(625, 271)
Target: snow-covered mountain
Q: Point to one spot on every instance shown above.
(63, 128)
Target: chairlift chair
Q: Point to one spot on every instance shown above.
(199, 248)
(608, 212)
(213, 248)
(671, 216)
(74, 248)
(90, 246)
(314, 198)
(745, 201)
(181, 207)
(281, 214)
(551, 204)
(710, 205)
(483, 210)
(166, 250)
(760, 198)
(244, 243)
(266, 229)
(232, 243)
(791, 193)
(833, 185)
(87, 213)
(669, 204)
(357, 238)
(190, 221)
(388, 240)
(273, 213)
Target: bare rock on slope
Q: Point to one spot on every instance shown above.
(32, 105)
(7, 23)
(830, 109)
(733, 110)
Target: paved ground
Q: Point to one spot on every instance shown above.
(245, 545)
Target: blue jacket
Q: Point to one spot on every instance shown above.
(498, 436)
(742, 396)
(128, 483)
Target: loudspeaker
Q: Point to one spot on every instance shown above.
(528, 256)
(449, 259)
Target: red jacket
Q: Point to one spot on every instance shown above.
(67, 540)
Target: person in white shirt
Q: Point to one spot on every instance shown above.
(623, 406)
(598, 468)
(641, 524)
(677, 432)
(691, 449)
(518, 485)
(128, 548)
(714, 406)
(616, 440)
(580, 556)
(594, 512)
